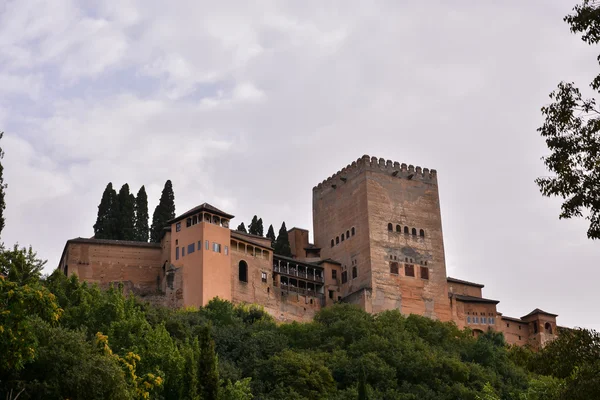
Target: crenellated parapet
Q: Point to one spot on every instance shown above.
(393, 168)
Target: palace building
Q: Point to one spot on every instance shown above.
(378, 243)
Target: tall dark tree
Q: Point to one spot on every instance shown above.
(282, 243)
(271, 235)
(164, 211)
(105, 226)
(253, 227)
(208, 373)
(241, 228)
(2, 187)
(572, 132)
(141, 216)
(126, 223)
(260, 230)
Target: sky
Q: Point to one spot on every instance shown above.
(248, 105)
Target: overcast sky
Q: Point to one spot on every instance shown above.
(247, 107)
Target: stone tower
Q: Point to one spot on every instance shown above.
(382, 221)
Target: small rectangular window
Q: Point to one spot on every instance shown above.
(194, 220)
(344, 277)
(394, 268)
(216, 247)
(484, 320)
(469, 319)
(331, 292)
(226, 250)
(492, 320)
(182, 251)
(519, 337)
(333, 274)
(263, 276)
(206, 245)
(507, 325)
(188, 222)
(191, 248)
(177, 253)
(424, 273)
(475, 320)
(199, 245)
(178, 227)
(519, 327)
(409, 270)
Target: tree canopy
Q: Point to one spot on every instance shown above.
(164, 211)
(571, 130)
(271, 235)
(282, 243)
(141, 216)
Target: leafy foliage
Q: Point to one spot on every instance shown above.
(107, 220)
(126, 221)
(2, 187)
(164, 211)
(571, 129)
(21, 265)
(271, 235)
(141, 216)
(241, 228)
(282, 243)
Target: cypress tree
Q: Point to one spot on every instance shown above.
(141, 216)
(126, 221)
(164, 211)
(208, 373)
(271, 235)
(2, 187)
(282, 243)
(253, 227)
(260, 230)
(241, 228)
(105, 225)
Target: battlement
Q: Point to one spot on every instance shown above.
(394, 168)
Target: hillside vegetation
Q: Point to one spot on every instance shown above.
(64, 339)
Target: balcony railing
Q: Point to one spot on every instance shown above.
(289, 288)
(295, 272)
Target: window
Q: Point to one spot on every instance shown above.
(177, 253)
(188, 222)
(353, 231)
(508, 325)
(191, 248)
(347, 234)
(354, 272)
(178, 227)
(414, 231)
(390, 227)
(394, 268)
(334, 274)
(206, 245)
(409, 270)
(519, 327)
(226, 250)
(332, 243)
(548, 328)
(199, 245)
(519, 337)
(469, 319)
(398, 229)
(475, 320)
(483, 320)
(344, 277)
(535, 327)
(216, 247)
(331, 294)
(182, 251)
(492, 320)
(422, 233)
(424, 273)
(243, 271)
(337, 240)
(406, 230)
(194, 220)
(263, 276)
(342, 237)
(176, 242)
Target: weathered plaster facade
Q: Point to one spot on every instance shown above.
(378, 243)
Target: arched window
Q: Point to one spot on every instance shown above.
(342, 237)
(347, 234)
(406, 230)
(332, 243)
(422, 233)
(414, 231)
(353, 231)
(398, 229)
(354, 272)
(337, 240)
(243, 271)
(548, 327)
(390, 227)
